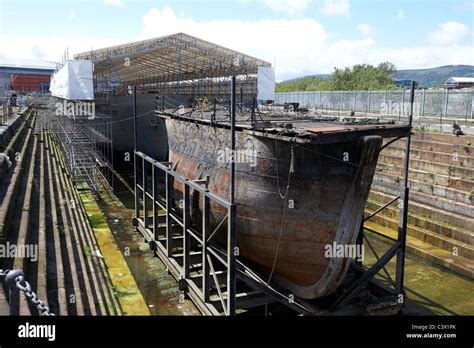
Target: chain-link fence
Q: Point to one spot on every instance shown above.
(445, 104)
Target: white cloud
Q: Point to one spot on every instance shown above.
(72, 14)
(450, 33)
(291, 7)
(37, 52)
(336, 8)
(365, 30)
(50, 48)
(279, 40)
(118, 3)
(297, 54)
(266, 39)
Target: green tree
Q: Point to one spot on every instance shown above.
(358, 77)
(364, 77)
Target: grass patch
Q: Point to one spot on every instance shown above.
(450, 170)
(431, 175)
(121, 292)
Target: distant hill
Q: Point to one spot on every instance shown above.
(317, 76)
(434, 77)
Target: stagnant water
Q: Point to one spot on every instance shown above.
(449, 292)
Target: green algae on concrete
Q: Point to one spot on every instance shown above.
(160, 290)
(124, 285)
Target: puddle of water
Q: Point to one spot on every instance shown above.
(446, 288)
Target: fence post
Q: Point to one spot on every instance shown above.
(135, 158)
(423, 103)
(340, 103)
(472, 100)
(403, 106)
(355, 101)
(446, 104)
(368, 101)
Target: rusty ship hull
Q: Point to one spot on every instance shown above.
(297, 197)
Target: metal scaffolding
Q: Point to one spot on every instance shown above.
(180, 65)
(86, 141)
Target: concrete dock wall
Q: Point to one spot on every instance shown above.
(441, 210)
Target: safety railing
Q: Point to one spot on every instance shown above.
(183, 234)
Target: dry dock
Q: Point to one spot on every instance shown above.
(70, 264)
(83, 239)
(128, 202)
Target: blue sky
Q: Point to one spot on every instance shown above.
(300, 36)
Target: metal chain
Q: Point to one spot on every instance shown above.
(23, 285)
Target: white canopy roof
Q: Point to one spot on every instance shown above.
(25, 63)
(461, 80)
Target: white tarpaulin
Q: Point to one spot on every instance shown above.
(266, 83)
(73, 81)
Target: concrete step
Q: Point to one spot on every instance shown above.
(445, 147)
(45, 210)
(390, 218)
(96, 294)
(4, 307)
(8, 129)
(56, 268)
(452, 225)
(428, 188)
(429, 252)
(445, 138)
(441, 228)
(455, 159)
(428, 199)
(429, 166)
(444, 180)
(72, 272)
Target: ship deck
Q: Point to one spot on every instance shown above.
(304, 128)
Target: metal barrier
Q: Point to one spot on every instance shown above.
(447, 104)
(191, 241)
(182, 248)
(16, 282)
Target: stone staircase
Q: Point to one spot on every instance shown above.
(441, 210)
(41, 207)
